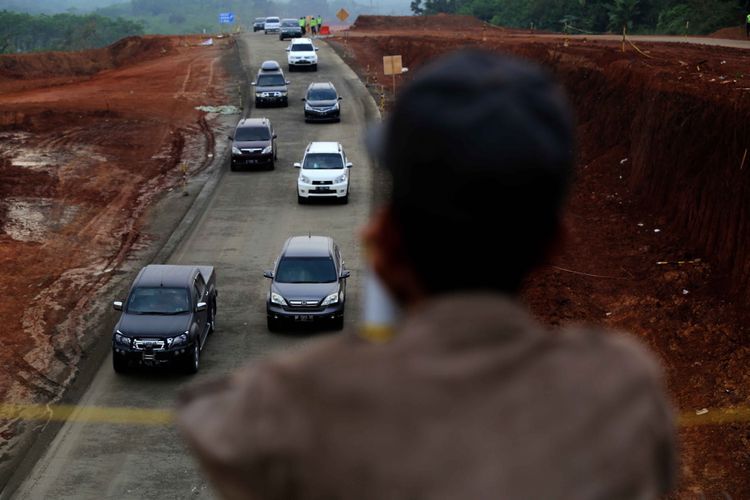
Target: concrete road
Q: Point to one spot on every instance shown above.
(242, 230)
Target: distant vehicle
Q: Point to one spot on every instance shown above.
(302, 54)
(272, 25)
(259, 24)
(271, 89)
(290, 28)
(308, 283)
(270, 66)
(253, 144)
(324, 173)
(167, 316)
(322, 102)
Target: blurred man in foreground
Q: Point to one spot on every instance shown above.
(470, 398)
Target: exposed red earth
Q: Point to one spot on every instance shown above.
(88, 140)
(659, 217)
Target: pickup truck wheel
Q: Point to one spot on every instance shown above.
(301, 200)
(119, 364)
(193, 361)
(212, 319)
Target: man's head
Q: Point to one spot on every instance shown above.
(480, 149)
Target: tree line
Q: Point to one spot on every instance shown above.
(21, 32)
(674, 17)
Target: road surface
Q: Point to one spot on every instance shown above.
(241, 231)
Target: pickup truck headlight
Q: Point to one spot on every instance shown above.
(267, 150)
(340, 179)
(331, 299)
(277, 299)
(178, 340)
(122, 339)
(236, 150)
(304, 179)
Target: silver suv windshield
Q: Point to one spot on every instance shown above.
(323, 161)
(271, 81)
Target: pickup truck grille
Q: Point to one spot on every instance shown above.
(149, 344)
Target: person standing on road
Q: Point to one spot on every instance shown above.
(469, 398)
(302, 25)
(313, 27)
(319, 22)
(747, 26)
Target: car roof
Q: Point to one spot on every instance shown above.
(321, 85)
(324, 147)
(158, 275)
(254, 122)
(308, 246)
(301, 40)
(272, 17)
(270, 65)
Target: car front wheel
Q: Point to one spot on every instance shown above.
(119, 363)
(193, 360)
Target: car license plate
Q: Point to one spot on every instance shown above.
(303, 317)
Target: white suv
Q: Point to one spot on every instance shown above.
(272, 25)
(324, 172)
(302, 54)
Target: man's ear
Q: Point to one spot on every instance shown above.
(389, 258)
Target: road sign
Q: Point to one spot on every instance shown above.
(392, 65)
(343, 15)
(226, 18)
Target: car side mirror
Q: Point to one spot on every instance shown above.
(288, 82)
(304, 100)
(231, 138)
(200, 307)
(253, 84)
(288, 50)
(268, 274)
(274, 136)
(349, 165)
(341, 98)
(345, 274)
(316, 49)
(117, 305)
(297, 165)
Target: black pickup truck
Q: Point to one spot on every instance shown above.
(166, 318)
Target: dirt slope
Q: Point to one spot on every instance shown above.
(88, 141)
(659, 222)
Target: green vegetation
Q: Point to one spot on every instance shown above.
(197, 16)
(642, 16)
(26, 32)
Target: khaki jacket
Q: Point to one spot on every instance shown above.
(472, 399)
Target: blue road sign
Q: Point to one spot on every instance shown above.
(226, 17)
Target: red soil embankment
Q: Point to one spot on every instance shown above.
(659, 218)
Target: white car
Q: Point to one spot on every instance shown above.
(272, 25)
(302, 54)
(324, 173)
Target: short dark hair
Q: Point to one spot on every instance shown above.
(480, 147)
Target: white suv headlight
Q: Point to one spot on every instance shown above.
(331, 299)
(304, 179)
(340, 179)
(277, 299)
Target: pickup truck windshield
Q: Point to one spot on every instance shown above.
(306, 270)
(146, 300)
(302, 47)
